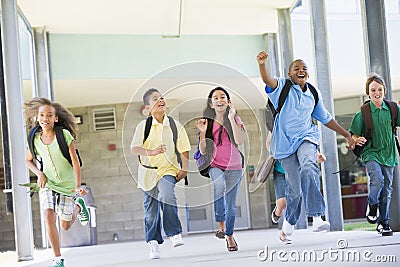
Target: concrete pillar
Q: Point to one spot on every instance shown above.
(271, 46)
(331, 182)
(42, 64)
(43, 88)
(375, 38)
(285, 40)
(14, 96)
(377, 60)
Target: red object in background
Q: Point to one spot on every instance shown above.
(360, 202)
(112, 147)
(360, 188)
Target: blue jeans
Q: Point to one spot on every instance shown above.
(162, 197)
(302, 180)
(380, 188)
(226, 186)
(279, 184)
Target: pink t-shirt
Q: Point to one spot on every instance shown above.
(226, 155)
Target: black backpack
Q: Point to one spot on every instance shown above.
(271, 112)
(61, 143)
(172, 124)
(369, 125)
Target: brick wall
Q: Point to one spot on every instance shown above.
(119, 203)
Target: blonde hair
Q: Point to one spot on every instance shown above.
(65, 118)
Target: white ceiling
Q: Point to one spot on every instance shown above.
(154, 17)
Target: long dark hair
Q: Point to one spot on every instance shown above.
(209, 114)
(65, 118)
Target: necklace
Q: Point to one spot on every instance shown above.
(47, 136)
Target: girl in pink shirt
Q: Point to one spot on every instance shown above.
(220, 132)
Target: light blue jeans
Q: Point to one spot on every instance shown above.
(279, 184)
(226, 187)
(162, 197)
(380, 188)
(302, 180)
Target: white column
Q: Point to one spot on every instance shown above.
(330, 181)
(14, 98)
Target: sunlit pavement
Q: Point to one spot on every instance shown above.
(256, 248)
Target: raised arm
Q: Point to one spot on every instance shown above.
(237, 130)
(266, 77)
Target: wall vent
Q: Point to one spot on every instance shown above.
(104, 119)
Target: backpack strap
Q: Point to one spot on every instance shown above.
(283, 95)
(62, 143)
(314, 93)
(31, 138)
(367, 118)
(172, 124)
(394, 112)
(147, 128)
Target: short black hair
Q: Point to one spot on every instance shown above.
(146, 96)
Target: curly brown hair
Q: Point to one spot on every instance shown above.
(65, 117)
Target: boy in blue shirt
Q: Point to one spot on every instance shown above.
(295, 142)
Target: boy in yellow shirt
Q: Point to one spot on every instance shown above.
(159, 172)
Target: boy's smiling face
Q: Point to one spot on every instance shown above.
(376, 93)
(298, 72)
(157, 103)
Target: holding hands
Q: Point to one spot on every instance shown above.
(359, 140)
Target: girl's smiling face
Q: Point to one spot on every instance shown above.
(376, 92)
(47, 117)
(219, 100)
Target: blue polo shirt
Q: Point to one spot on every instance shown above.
(293, 125)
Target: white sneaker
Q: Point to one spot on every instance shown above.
(176, 240)
(154, 249)
(284, 238)
(287, 228)
(320, 225)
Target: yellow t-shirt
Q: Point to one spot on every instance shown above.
(166, 163)
(59, 173)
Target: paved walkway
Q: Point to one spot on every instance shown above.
(358, 248)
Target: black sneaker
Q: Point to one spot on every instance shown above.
(384, 229)
(372, 213)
